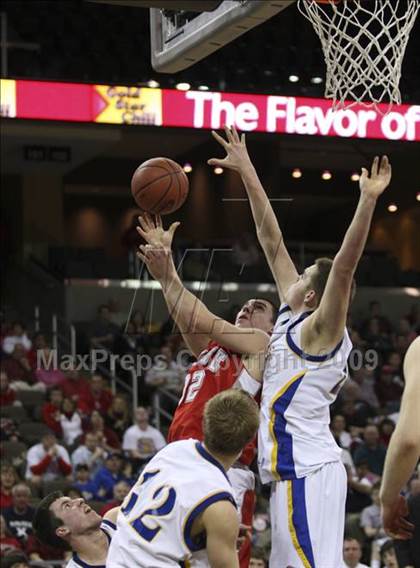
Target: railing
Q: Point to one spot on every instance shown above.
(160, 412)
(63, 341)
(116, 381)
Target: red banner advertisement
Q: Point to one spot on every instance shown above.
(204, 109)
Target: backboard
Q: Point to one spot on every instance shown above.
(179, 39)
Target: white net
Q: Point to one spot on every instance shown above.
(363, 42)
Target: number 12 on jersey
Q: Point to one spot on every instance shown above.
(193, 382)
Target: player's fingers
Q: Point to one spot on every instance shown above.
(216, 162)
(228, 133)
(235, 134)
(364, 175)
(219, 138)
(174, 227)
(142, 233)
(374, 170)
(158, 221)
(143, 223)
(150, 221)
(141, 257)
(243, 138)
(146, 224)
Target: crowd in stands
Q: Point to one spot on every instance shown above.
(66, 429)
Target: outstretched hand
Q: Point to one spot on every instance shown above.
(236, 151)
(153, 232)
(380, 177)
(394, 519)
(158, 261)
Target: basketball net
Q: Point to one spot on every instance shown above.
(363, 42)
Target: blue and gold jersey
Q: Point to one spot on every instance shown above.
(294, 437)
(155, 523)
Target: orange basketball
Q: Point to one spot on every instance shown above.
(159, 186)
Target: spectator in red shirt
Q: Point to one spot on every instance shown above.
(8, 544)
(47, 461)
(8, 478)
(120, 492)
(106, 438)
(98, 397)
(51, 411)
(74, 386)
(7, 395)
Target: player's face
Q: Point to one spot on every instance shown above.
(76, 515)
(256, 313)
(300, 292)
(352, 552)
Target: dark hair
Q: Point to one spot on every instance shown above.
(274, 307)
(45, 523)
(320, 278)
(388, 545)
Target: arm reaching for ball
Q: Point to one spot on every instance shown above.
(197, 324)
(268, 230)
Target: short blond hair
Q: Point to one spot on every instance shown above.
(230, 422)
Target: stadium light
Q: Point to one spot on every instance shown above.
(187, 168)
(392, 208)
(418, 196)
(326, 175)
(203, 88)
(218, 170)
(297, 173)
(316, 80)
(153, 84)
(183, 86)
(355, 176)
(293, 78)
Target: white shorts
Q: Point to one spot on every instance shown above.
(307, 519)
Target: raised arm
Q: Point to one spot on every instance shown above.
(196, 323)
(268, 230)
(403, 450)
(325, 327)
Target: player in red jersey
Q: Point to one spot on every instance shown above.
(227, 355)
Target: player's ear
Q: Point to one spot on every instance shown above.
(62, 532)
(310, 299)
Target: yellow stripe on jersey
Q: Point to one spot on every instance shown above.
(274, 451)
(292, 529)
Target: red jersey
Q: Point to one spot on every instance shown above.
(216, 370)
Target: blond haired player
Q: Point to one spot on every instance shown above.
(305, 368)
(181, 511)
(403, 450)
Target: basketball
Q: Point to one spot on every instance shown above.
(159, 186)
